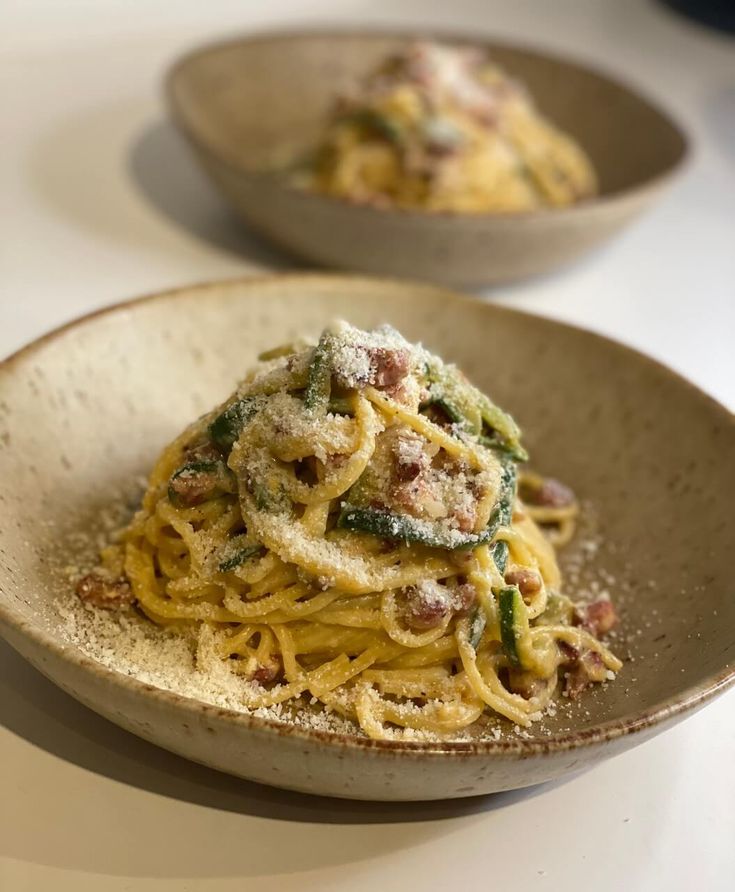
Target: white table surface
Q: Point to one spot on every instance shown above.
(101, 202)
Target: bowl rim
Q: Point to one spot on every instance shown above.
(297, 32)
(684, 702)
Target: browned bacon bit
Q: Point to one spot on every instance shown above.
(465, 517)
(586, 670)
(388, 366)
(419, 498)
(411, 484)
(437, 147)
(205, 451)
(465, 597)
(427, 604)
(382, 367)
(402, 392)
(267, 672)
(192, 488)
(526, 684)
(410, 458)
(335, 461)
(569, 653)
(598, 618)
(551, 494)
(111, 594)
(527, 580)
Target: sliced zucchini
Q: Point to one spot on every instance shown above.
(340, 405)
(512, 617)
(508, 478)
(502, 432)
(492, 441)
(448, 407)
(465, 405)
(236, 554)
(499, 554)
(270, 498)
(503, 512)
(442, 134)
(559, 611)
(399, 527)
(319, 382)
(478, 621)
(374, 122)
(227, 426)
(449, 390)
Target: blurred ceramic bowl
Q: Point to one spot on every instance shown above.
(251, 104)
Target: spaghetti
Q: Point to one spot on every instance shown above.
(441, 128)
(348, 527)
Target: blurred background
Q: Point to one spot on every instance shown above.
(103, 200)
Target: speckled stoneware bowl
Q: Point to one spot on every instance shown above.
(86, 409)
(247, 104)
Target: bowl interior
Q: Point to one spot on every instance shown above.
(84, 413)
(260, 101)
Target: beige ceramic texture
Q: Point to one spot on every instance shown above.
(87, 408)
(249, 103)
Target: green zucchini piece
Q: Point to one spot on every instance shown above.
(449, 390)
(512, 612)
(449, 409)
(272, 500)
(499, 554)
(493, 525)
(198, 466)
(319, 383)
(236, 555)
(559, 611)
(497, 445)
(478, 621)
(468, 406)
(374, 122)
(508, 478)
(503, 511)
(227, 426)
(340, 405)
(504, 432)
(441, 133)
(399, 527)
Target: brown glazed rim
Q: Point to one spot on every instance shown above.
(266, 36)
(686, 701)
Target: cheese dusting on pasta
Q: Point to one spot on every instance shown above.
(351, 527)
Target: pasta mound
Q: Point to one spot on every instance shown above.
(441, 128)
(350, 526)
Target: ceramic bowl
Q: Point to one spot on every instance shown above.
(86, 409)
(248, 104)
